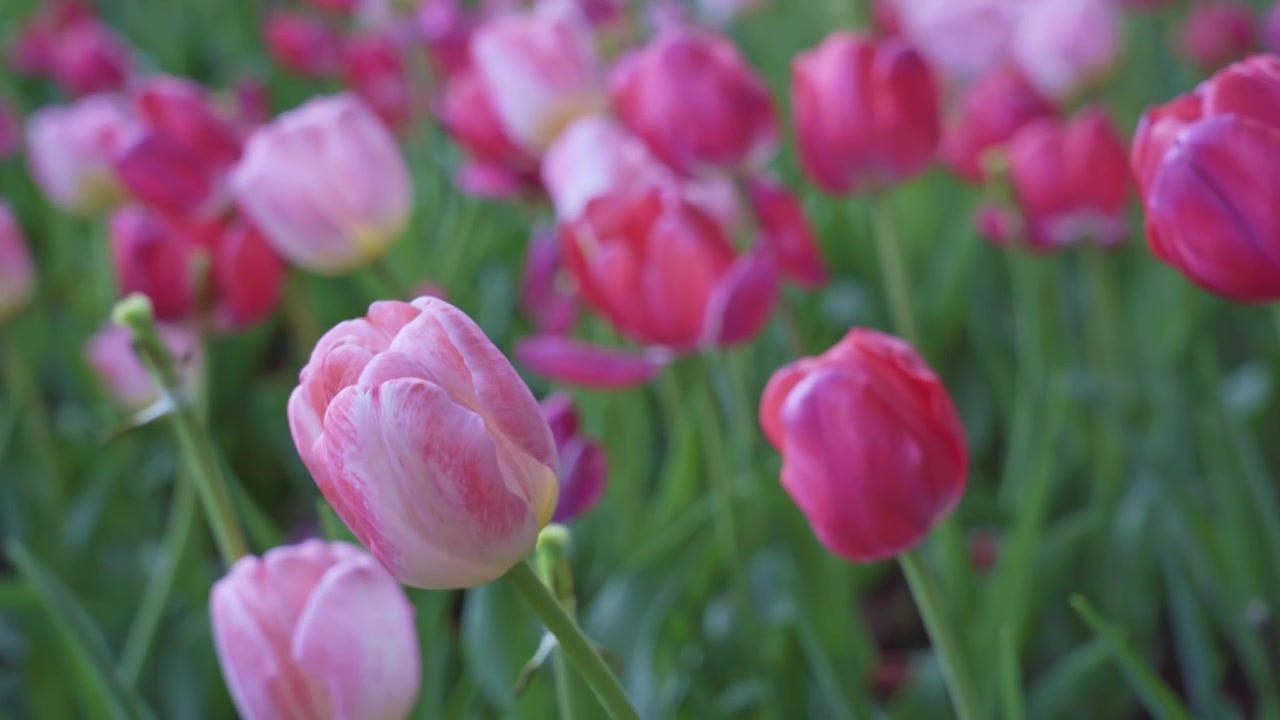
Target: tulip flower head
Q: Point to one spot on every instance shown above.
(1216, 33)
(326, 184)
(315, 630)
(1202, 162)
(873, 452)
(302, 44)
(72, 149)
(17, 272)
(426, 443)
(1063, 46)
(962, 38)
(498, 166)
(991, 111)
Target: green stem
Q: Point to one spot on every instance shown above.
(198, 454)
(39, 426)
(894, 269)
(553, 568)
(573, 642)
(943, 635)
(1100, 331)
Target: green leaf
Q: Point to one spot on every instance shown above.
(499, 635)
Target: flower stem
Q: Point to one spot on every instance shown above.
(553, 568)
(942, 635)
(198, 454)
(894, 270)
(39, 426)
(573, 642)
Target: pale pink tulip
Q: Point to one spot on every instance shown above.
(427, 443)
(963, 38)
(71, 150)
(326, 184)
(17, 273)
(1062, 46)
(541, 72)
(110, 355)
(315, 631)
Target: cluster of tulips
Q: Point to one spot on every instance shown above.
(647, 137)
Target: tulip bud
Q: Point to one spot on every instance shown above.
(692, 97)
(315, 630)
(873, 452)
(1199, 160)
(1214, 34)
(110, 355)
(71, 151)
(498, 167)
(540, 71)
(374, 68)
(1063, 46)
(962, 38)
(866, 112)
(89, 57)
(992, 109)
(426, 443)
(326, 184)
(302, 44)
(583, 467)
(17, 273)
(1070, 180)
(785, 231)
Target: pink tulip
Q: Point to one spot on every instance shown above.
(1217, 33)
(992, 109)
(17, 273)
(302, 44)
(566, 360)
(426, 443)
(540, 70)
(71, 150)
(89, 57)
(595, 156)
(692, 97)
(374, 68)
(786, 232)
(326, 184)
(315, 630)
(1063, 46)
(582, 460)
(963, 38)
(110, 355)
(35, 45)
(498, 167)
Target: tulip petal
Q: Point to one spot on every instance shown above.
(571, 361)
(356, 601)
(741, 304)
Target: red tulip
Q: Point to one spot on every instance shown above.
(17, 272)
(873, 450)
(374, 67)
(1202, 162)
(866, 112)
(785, 231)
(90, 57)
(992, 109)
(467, 113)
(574, 362)
(1217, 33)
(583, 467)
(663, 272)
(695, 101)
(246, 276)
(1070, 180)
(302, 44)
(152, 258)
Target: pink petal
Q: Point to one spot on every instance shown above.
(571, 361)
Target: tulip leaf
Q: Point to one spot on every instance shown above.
(499, 635)
(80, 633)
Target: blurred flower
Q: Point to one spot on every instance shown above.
(1269, 29)
(786, 232)
(583, 468)
(1063, 46)
(315, 630)
(1216, 33)
(545, 296)
(991, 110)
(566, 360)
(251, 102)
(540, 71)
(1070, 180)
(695, 101)
(426, 443)
(1202, 162)
(866, 112)
(71, 150)
(109, 353)
(445, 26)
(302, 44)
(497, 166)
(374, 68)
(17, 272)
(664, 273)
(10, 129)
(592, 157)
(89, 57)
(33, 49)
(873, 451)
(327, 185)
(964, 38)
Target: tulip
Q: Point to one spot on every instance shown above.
(963, 38)
(873, 452)
(17, 273)
(1063, 46)
(544, 295)
(663, 272)
(315, 630)
(426, 443)
(109, 353)
(1070, 180)
(71, 151)
(246, 276)
(33, 49)
(583, 467)
(498, 167)
(89, 57)
(374, 68)
(1198, 160)
(184, 111)
(326, 184)
(991, 110)
(695, 101)
(866, 112)
(1214, 34)
(570, 361)
(302, 44)
(540, 71)
(10, 130)
(151, 257)
(593, 157)
(786, 231)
